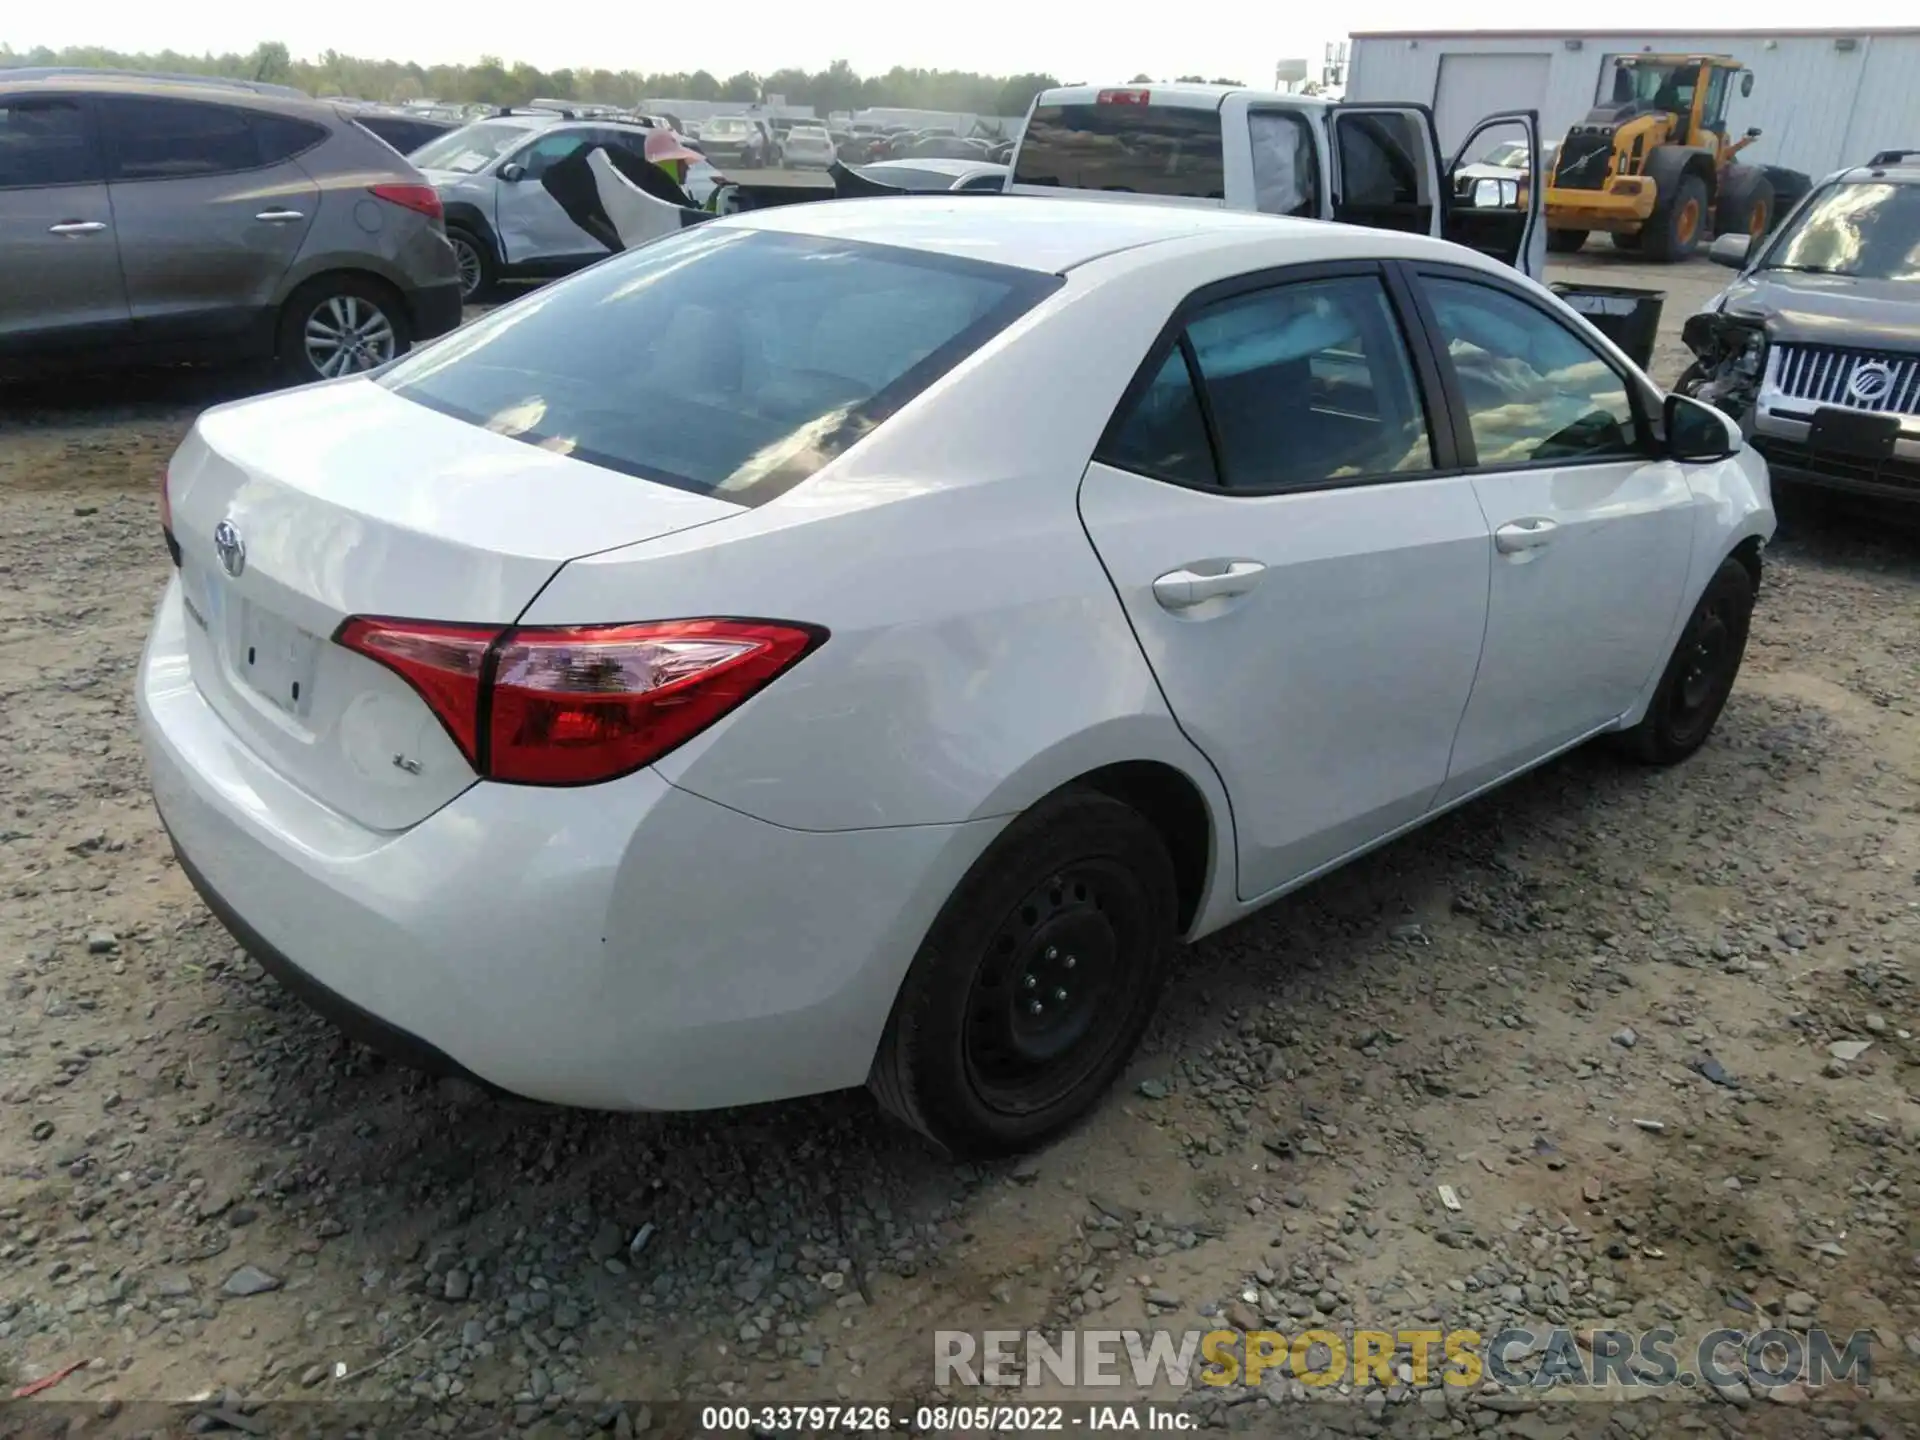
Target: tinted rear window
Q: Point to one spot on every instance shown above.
(728, 362)
(154, 139)
(1137, 149)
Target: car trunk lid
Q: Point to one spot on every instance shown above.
(294, 513)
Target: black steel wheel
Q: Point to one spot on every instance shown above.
(1701, 672)
(1036, 980)
(1041, 1011)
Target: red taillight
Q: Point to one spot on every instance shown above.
(421, 198)
(1124, 97)
(574, 705)
(445, 663)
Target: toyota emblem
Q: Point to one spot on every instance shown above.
(1870, 382)
(231, 549)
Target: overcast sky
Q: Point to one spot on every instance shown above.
(1069, 38)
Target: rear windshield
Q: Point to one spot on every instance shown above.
(1136, 149)
(729, 362)
(726, 127)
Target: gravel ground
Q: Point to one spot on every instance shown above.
(1606, 1007)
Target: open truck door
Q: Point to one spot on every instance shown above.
(1501, 216)
(1386, 166)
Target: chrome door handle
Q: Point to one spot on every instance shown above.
(279, 217)
(1524, 535)
(1183, 589)
(76, 227)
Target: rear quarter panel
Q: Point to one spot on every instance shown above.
(355, 231)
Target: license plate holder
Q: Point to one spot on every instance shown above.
(1853, 432)
(275, 657)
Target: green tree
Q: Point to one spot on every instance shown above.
(1018, 92)
(796, 85)
(271, 62)
(493, 81)
(1141, 79)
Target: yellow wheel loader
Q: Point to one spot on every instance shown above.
(1654, 165)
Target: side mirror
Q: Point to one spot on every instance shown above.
(1746, 83)
(1491, 194)
(513, 171)
(1753, 132)
(1698, 434)
(1730, 250)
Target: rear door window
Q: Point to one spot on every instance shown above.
(1163, 432)
(281, 137)
(1129, 148)
(153, 139)
(45, 141)
(1309, 384)
(727, 362)
(1299, 385)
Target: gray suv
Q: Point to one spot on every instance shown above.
(146, 219)
(1815, 348)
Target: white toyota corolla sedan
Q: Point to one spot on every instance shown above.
(854, 642)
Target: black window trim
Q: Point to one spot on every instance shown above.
(1643, 401)
(1426, 377)
(95, 136)
(110, 152)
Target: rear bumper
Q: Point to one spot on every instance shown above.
(436, 310)
(619, 946)
(358, 1024)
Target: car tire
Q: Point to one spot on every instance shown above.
(479, 272)
(1700, 674)
(1566, 242)
(1678, 223)
(1746, 205)
(342, 324)
(1073, 908)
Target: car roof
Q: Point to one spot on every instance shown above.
(1053, 236)
(209, 89)
(1902, 167)
(85, 73)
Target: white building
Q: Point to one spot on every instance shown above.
(1822, 99)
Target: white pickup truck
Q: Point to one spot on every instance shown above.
(1364, 163)
(1376, 164)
